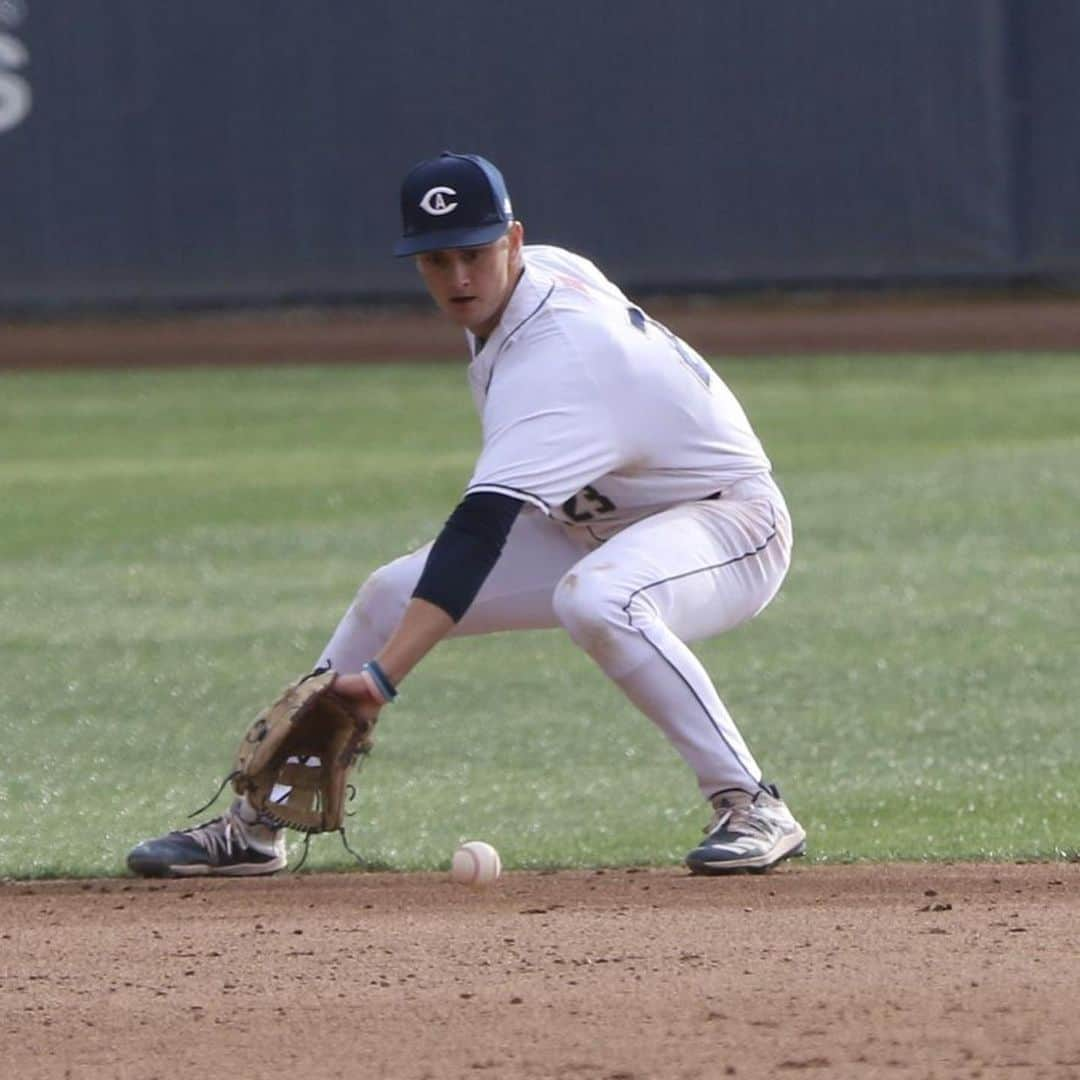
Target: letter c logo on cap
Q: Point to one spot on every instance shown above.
(434, 202)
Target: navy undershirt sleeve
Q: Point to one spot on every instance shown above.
(465, 551)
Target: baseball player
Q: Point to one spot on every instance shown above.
(620, 494)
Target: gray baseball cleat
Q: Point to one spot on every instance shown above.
(748, 832)
(228, 845)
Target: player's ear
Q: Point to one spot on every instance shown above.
(516, 235)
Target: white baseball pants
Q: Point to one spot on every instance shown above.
(632, 604)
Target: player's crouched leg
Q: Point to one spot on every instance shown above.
(622, 623)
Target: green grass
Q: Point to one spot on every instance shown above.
(176, 545)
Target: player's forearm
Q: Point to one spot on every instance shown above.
(422, 627)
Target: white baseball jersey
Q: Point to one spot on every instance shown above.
(593, 412)
(620, 433)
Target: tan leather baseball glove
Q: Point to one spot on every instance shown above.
(294, 761)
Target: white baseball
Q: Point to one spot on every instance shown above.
(475, 863)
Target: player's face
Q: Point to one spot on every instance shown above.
(473, 285)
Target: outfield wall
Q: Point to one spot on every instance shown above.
(161, 153)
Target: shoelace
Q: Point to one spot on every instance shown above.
(216, 837)
(740, 820)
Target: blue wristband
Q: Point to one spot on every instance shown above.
(381, 679)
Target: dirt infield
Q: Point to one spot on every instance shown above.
(848, 971)
(716, 328)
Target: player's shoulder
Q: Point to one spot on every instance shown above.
(577, 293)
(575, 334)
(554, 259)
(568, 270)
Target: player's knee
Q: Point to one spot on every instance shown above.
(586, 604)
(381, 600)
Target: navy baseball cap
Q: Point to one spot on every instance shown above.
(452, 201)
